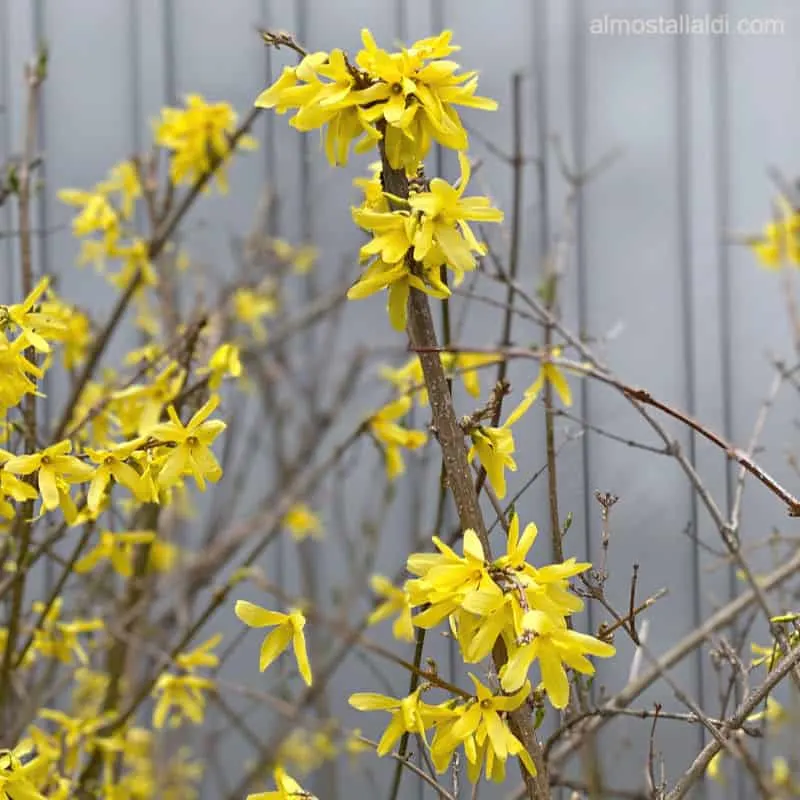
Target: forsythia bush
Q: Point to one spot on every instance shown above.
(135, 442)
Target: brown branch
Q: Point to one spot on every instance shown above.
(422, 336)
(746, 708)
(35, 73)
(734, 453)
(674, 655)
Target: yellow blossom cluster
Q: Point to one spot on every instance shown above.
(58, 745)
(411, 244)
(507, 599)
(492, 445)
(409, 97)
(401, 102)
(198, 137)
(132, 440)
(55, 748)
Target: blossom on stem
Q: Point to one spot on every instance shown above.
(495, 447)
(393, 437)
(288, 630)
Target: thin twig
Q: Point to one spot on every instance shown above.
(747, 707)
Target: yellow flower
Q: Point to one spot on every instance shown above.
(765, 655)
(355, 745)
(124, 178)
(16, 371)
(301, 258)
(467, 365)
(112, 465)
(88, 692)
(197, 134)
(713, 768)
(192, 451)
(97, 215)
(59, 640)
(251, 306)
(416, 98)
(780, 241)
(445, 221)
(118, 548)
(397, 602)
(184, 695)
(287, 789)
(408, 715)
(550, 373)
(411, 94)
(138, 408)
(393, 233)
(13, 488)
(445, 578)
(162, 556)
(483, 730)
(71, 327)
(295, 87)
(288, 629)
(495, 448)
(372, 188)
(14, 781)
(409, 378)
(393, 437)
(331, 106)
(395, 75)
(201, 656)
(53, 466)
(307, 750)
(136, 266)
(782, 774)
(302, 522)
(32, 322)
(223, 362)
(774, 713)
(399, 280)
(554, 645)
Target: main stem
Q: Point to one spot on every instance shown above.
(422, 335)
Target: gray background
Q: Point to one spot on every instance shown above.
(699, 118)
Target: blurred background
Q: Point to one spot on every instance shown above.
(689, 127)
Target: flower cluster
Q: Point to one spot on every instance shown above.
(400, 102)
(484, 602)
(99, 490)
(179, 694)
(198, 142)
(411, 244)
(58, 745)
(408, 98)
(198, 136)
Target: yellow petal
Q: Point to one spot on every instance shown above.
(257, 617)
